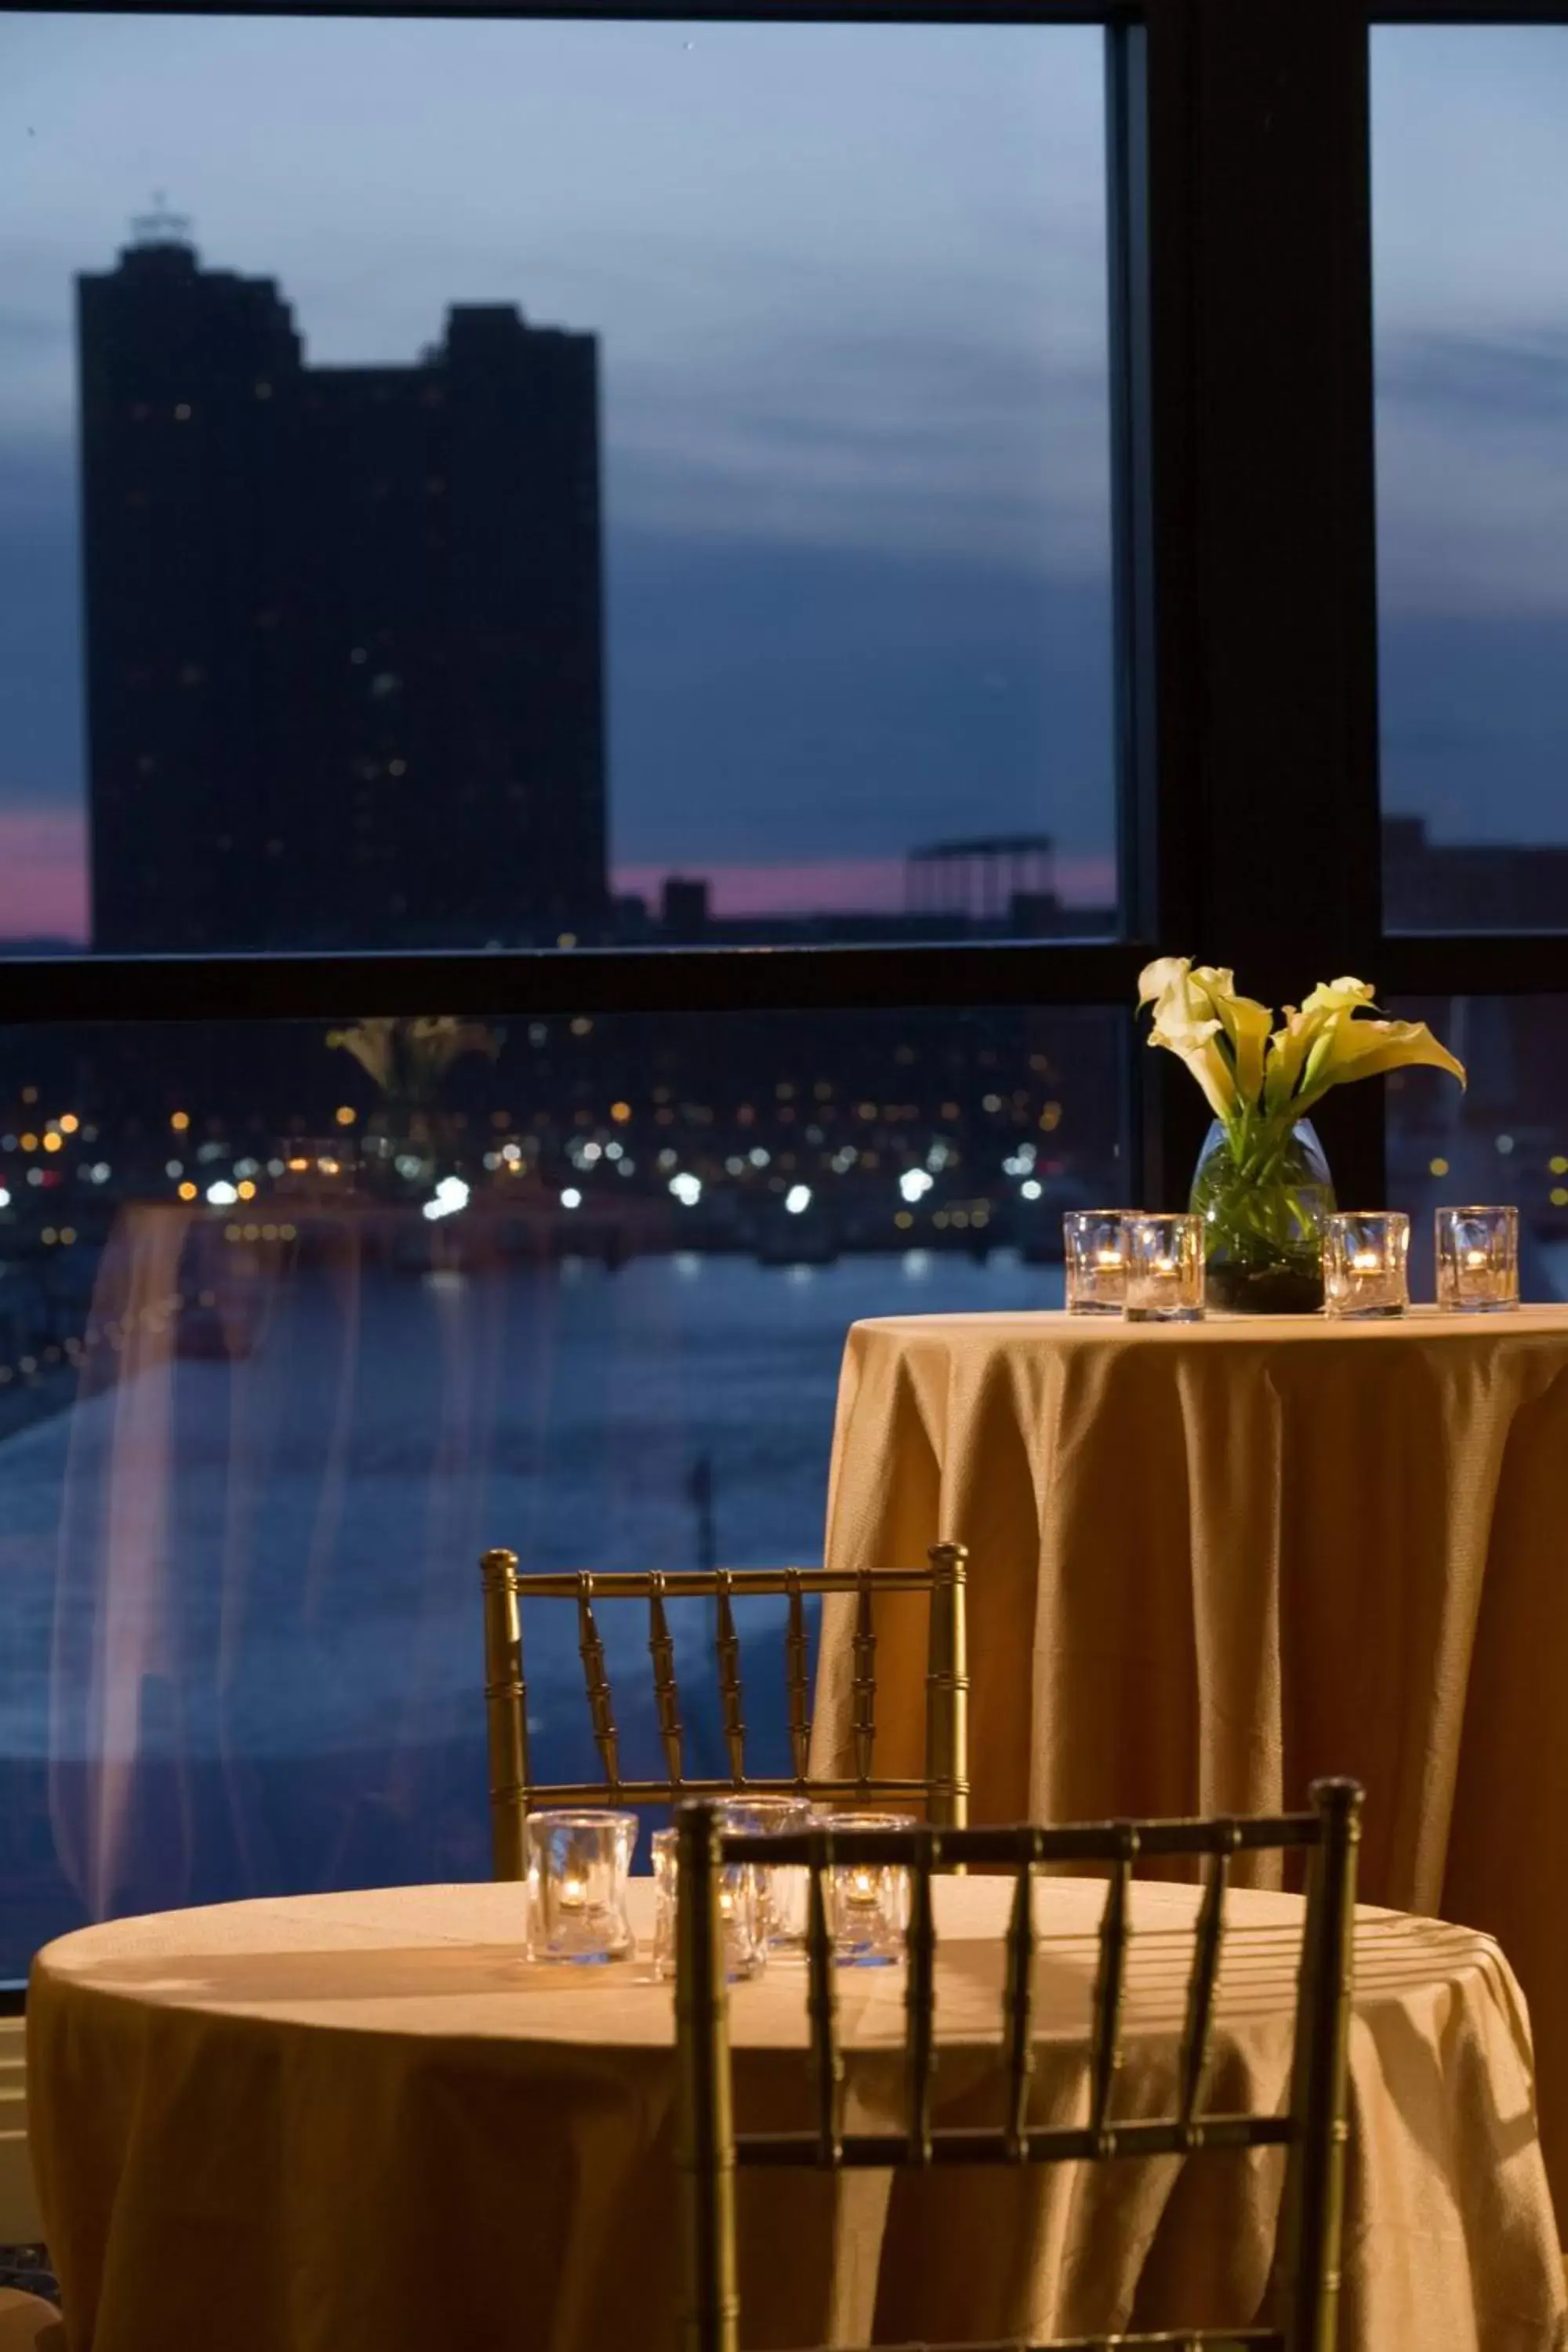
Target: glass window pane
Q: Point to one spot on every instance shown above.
(551, 482)
(1503, 1140)
(292, 1330)
(1471, 211)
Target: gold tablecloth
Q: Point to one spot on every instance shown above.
(360, 2123)
(1210, 1561)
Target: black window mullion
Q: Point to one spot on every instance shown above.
(1265, 565)
(88, 989)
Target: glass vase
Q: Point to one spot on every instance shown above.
(1263, 1221)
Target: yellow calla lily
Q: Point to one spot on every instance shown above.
(1260, 1082)
(1157, 977)
(1364, 1049)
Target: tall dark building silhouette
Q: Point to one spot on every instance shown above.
(343, 625)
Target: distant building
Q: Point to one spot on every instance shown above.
(343, 625)
(1001, 881)
(1471, 885)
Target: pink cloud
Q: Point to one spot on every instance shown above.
(43, 875)
(851, 885)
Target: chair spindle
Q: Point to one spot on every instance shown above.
(727, 1643)
(666, 1689)
(1202, 1983)
(920, 1998)
(1112, 1983)
(864, 1689)
(821, 2002)
(1020, 2001)
(597, 1680)
(796, 1661)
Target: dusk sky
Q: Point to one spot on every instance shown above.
(850, 288)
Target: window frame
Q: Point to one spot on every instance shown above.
(1243, 565)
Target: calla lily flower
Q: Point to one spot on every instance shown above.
(1260, 1080)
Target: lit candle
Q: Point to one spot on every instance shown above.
(1094, 1261)
(1364, 1254)
(1165, 1281)
(1478, 1258)
(574, 1892)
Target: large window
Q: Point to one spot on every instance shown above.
(292, 1330)
(898, 496)
(553, 482)
(1471, 197)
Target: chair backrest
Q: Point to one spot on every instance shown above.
(1313, 2129)
(943, 1789)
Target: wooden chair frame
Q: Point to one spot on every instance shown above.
(1313, 2129)
(514, 1792)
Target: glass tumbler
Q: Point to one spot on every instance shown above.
(1164, 1269)
(1094, 1261)
(1364, 1263)
(867, 1904)
(1478, 1259)
(745, 1947)
(781, 1892)
(578, 1866)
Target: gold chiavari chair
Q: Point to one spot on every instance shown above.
(1313, 2130)
(943, 1789)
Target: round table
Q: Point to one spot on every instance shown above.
(365, 2122)
(1210, 1561)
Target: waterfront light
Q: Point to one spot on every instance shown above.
(450, 1195)
(223, 1195)
(914, 1184)
(686, 1189)
(798, 1198)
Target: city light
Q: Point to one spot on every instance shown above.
(1031, 1189)
(798, 1198)
(187, 1190)
(69, 1124)
(179, 1121)
(451, 1195)
(246, 1190)
(571, 1198)
(345, 1115)
(620, 1112)
(54, 1141)
(5, 1197)
(686, 1189)
(222, 1195)
(914, 1184)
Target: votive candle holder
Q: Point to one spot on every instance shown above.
(867, 1902)
(1164, 1269)
(1366, 1262)
(1478, 1259)
(1094, 1261)
(782, 1889)
(740, 1903)
(578, 1866)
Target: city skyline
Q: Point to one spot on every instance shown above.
(850, 288)
(851, 285)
